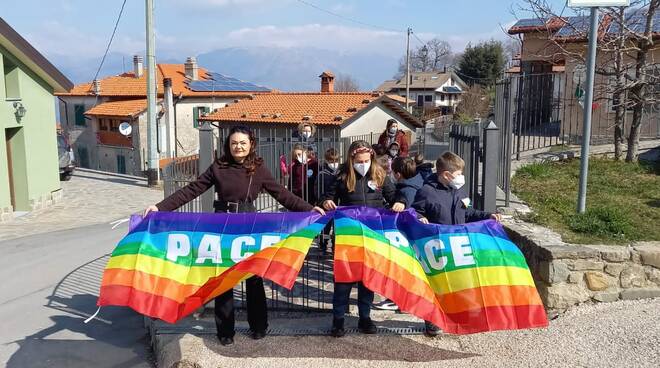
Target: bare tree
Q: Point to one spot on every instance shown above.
(434, 56)
(346, 83)
(623, 57)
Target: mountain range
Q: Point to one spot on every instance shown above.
(286, 69)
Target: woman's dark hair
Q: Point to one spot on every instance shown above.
(252, 161)
(390, 122)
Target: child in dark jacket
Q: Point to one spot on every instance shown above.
(425, 169)
(327, 176)
(303, 173)
(442, 199)
(360, 182)
(409, 182)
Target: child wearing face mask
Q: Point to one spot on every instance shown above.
(303, 174)
(360, 182)
(443, 200)
(327, 175)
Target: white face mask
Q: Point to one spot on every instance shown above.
(362, 168)
(302, 158)
(392, 131)
(306, 135)
(334, 165)
(394, 152)
(458, 181)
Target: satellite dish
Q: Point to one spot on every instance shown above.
(125, 128)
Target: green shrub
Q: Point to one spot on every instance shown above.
(602, 221)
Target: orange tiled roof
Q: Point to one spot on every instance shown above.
(125, 108)
(126, 85)
(294, 108)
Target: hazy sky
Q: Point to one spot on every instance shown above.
(72, 28)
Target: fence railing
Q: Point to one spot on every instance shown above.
(479, 147)
(547, 109)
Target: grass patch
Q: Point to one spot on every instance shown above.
(622, 200)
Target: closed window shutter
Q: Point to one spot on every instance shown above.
(80, 114)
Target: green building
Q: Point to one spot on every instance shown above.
(29, 172)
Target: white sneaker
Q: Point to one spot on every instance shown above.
(386, 305)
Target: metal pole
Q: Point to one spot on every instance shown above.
(152, 156)
(408, 70)
(588, 103)
(490, 167)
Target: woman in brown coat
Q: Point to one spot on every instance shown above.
(238, 176)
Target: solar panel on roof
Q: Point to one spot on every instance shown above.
(575, 26)
(223, 83)
(531, 22)
(451, 89)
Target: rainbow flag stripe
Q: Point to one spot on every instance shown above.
(464, 278)
(172, 263)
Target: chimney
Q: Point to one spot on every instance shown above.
(96, 87)
(169, 118)
(327, 82)
(192, 70)
(138, 66)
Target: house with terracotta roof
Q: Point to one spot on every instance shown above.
(439, 90)
(91, 113)
(29, 167)
(336, 115)
(550, 75)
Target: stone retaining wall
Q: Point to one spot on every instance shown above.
(569, 274)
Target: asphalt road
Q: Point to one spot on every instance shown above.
(50, 286)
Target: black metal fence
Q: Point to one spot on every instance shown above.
(479, 146)
(542, 110)
(313, 288)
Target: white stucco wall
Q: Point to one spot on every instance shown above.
(186, 134)
(374, 121)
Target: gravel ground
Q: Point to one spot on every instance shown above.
(621, 334)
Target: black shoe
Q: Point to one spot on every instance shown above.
(226, 340)
(431, 330)
(337, 329)
(367, 326)
(258, 335)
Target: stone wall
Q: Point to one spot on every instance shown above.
(569, 274)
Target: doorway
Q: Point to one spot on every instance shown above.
(16, 168)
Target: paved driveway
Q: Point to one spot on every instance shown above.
(90, 197)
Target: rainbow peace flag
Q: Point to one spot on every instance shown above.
(171, 263)
(465, 278)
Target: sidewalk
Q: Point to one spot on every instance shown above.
(90, 197)
(610, 334)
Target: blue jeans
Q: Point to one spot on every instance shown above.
(342, 294)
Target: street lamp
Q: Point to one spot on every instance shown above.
(20, 110)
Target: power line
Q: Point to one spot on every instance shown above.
(419, 39)
(349, 19)
(121, 11)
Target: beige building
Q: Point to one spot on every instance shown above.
(550, 78)
(429, 90)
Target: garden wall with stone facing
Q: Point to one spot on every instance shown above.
(569, 274)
